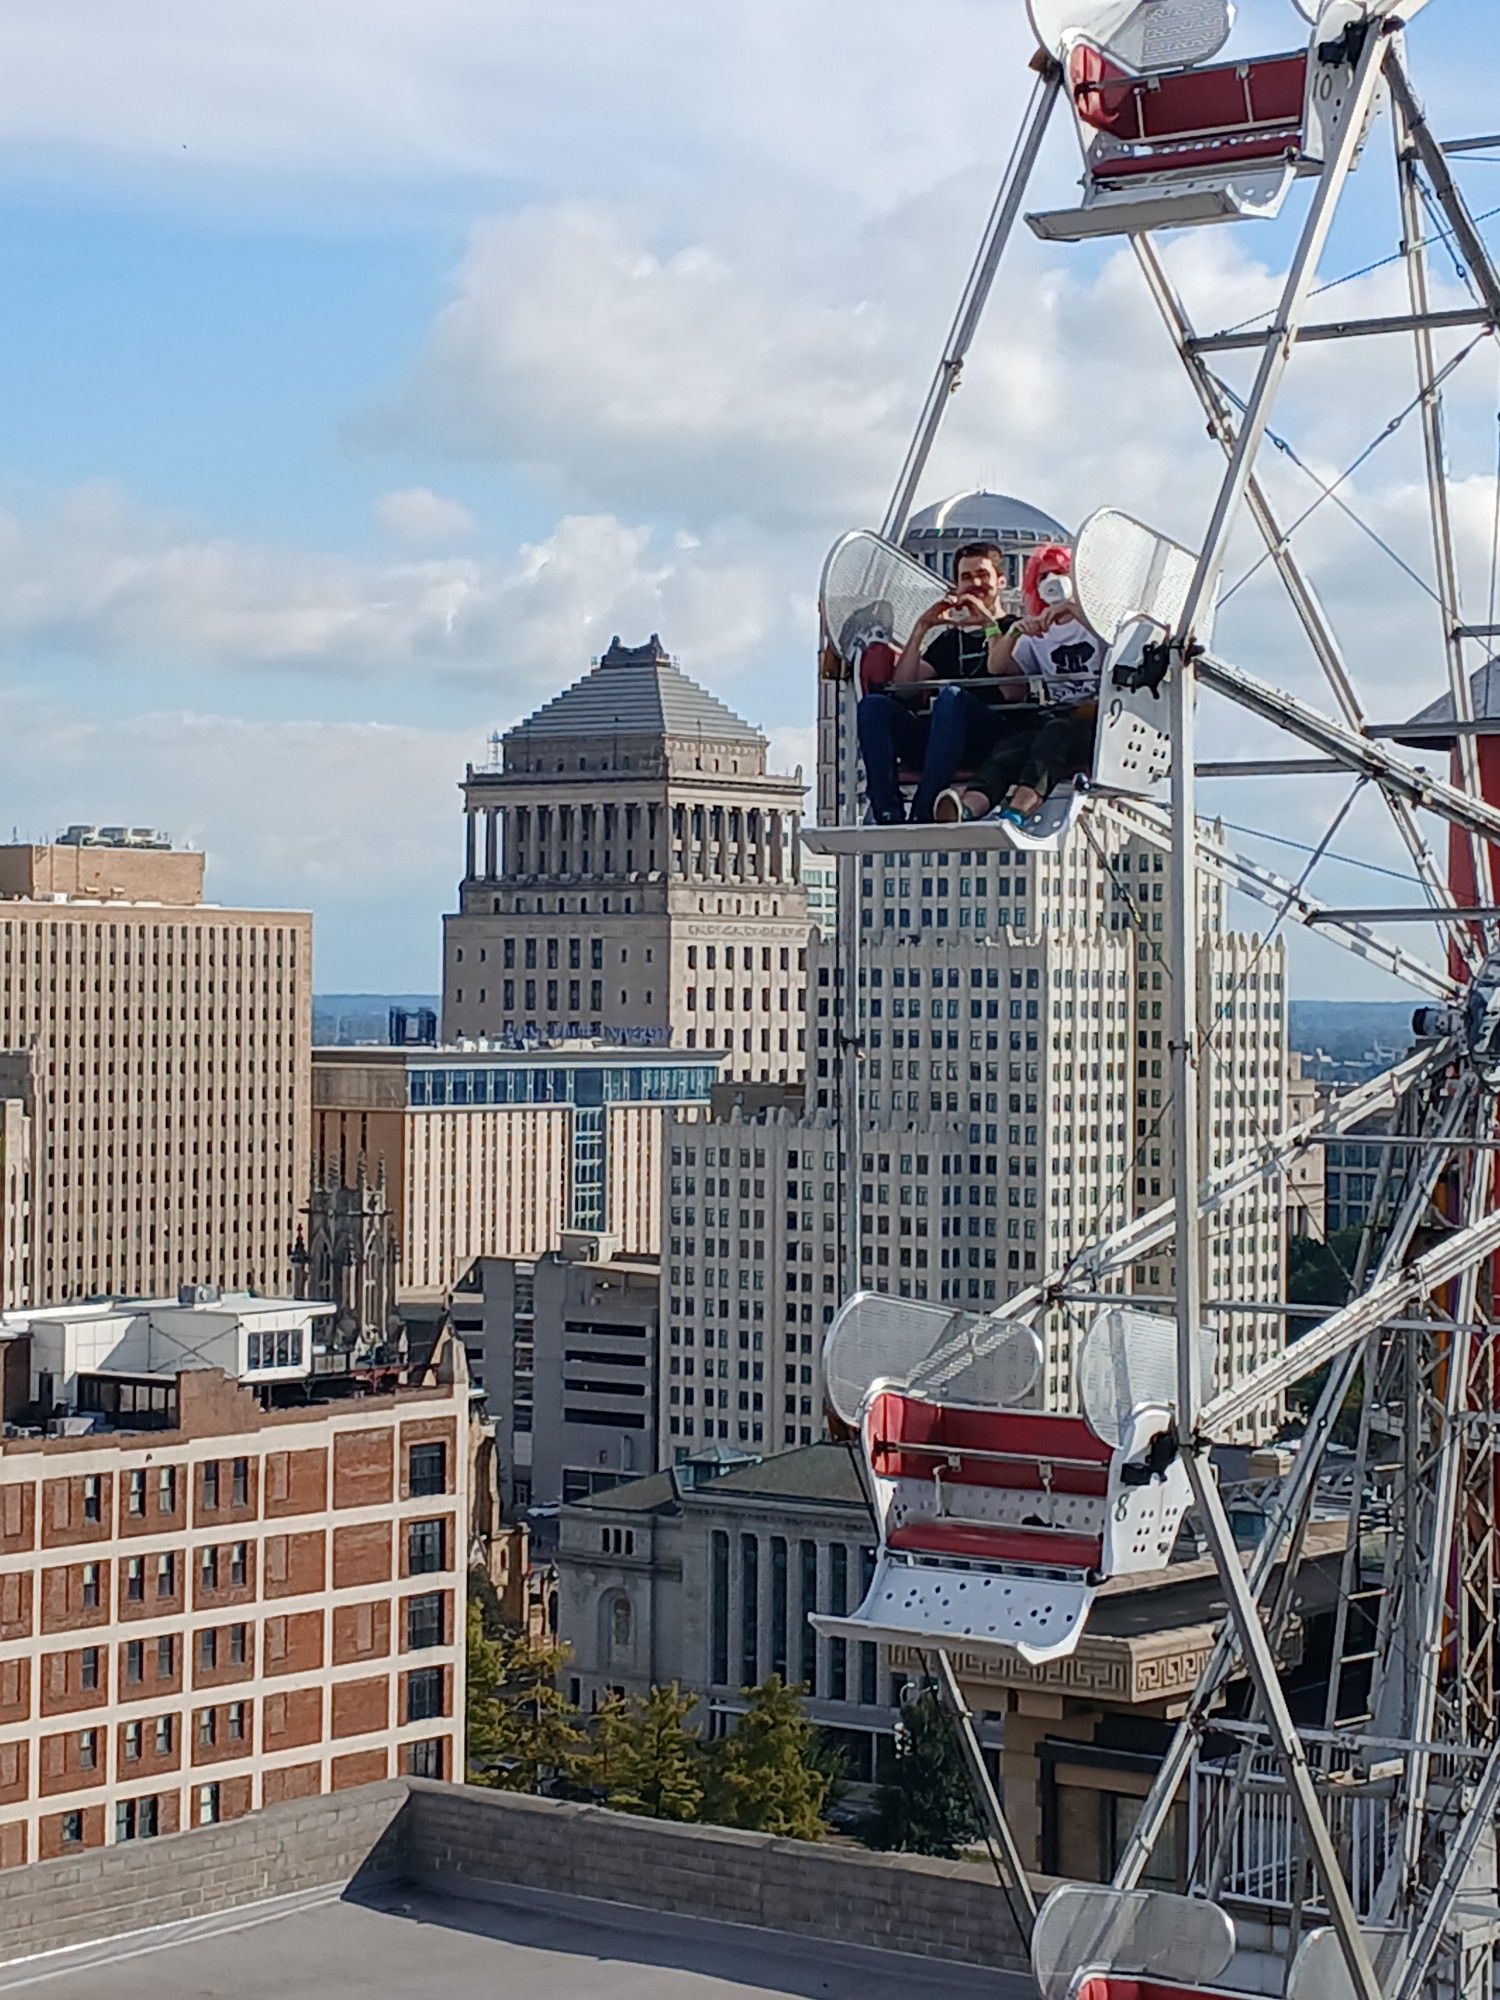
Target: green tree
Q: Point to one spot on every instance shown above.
(645, 1759)
(925, 1806)
(771, 1775)
(522, 1732)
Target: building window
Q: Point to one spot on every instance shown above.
(237, 1566)
(868, 1657)
(164, 1736)
(425, 1760)
(239, 1645)
(424, 1694)
(424, 1621)
(208, 1569)
(166, 1657)
(92, 1509)
(749, 1610)
(424, 1547)
(239, 1483)
(208, 1728)
(135, 1580)
(136, 1819)
(208, 1805)
(166, 1489)
(807, 1673)
(838, 1603)
(778, 1606)
(211, 1484)
(132, 1742)
(428, 1470)
(72, 1829)
(91, 1586)
(136, 1493)
(235, 1717)
(208, 1651)
(166, 1574)
(88, 1749)
(135, 1663)
(88, 1668)
(719, 1607)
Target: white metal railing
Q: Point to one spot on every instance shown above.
(1252, 1822)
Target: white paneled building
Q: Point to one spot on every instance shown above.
(1015, 1091)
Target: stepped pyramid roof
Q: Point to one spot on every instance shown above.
(638, 691)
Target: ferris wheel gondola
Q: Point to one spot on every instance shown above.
(965, 1473)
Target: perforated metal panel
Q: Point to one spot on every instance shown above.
(948, 1356)
(1082, 1928)
(1142, 34)
(1124, 570)
(975, 1610)
(1133, 748)
(1129, 1359)
(870, 590)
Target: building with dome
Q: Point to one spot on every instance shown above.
(938, 532)
(633, 872)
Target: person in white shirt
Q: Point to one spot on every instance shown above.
(1055, 657)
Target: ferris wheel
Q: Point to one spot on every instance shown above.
(999, 1521)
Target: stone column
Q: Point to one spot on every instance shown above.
(489, 843)
(469, 831)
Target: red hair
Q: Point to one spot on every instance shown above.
(1053, 560)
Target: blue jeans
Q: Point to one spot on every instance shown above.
(955, 732)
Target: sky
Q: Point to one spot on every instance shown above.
(369, 366)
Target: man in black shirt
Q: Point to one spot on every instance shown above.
(955, 729)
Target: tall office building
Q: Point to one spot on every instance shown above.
(633, 871)
(1015, 1092)
(155, 1074)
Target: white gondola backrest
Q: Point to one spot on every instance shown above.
(872, 590)
(877, 1341)
(1082, 1928)
(1141, 34)
(1320, 1971)
(1128, 1362)
(1131, 584)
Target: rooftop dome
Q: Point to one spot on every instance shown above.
(977, 514)
(637, 691)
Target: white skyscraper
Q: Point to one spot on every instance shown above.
(1014, 1092)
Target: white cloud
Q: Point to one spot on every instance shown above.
(92, 573)
(426, 519)
(359, 822)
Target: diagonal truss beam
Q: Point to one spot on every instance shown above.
(1303, 598)
(1231, 1182)
(1253, 878)
(1472, 246)
(1352, 749)
(1343, 1329)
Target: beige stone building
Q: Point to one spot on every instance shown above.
(1307, 1181)
(155, 1076)
(1013, 1015)
(633, 871)
(216, 1600)
(502, 1152)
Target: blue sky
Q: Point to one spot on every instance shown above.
(367, 367)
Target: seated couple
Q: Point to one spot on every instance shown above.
(1015, 758)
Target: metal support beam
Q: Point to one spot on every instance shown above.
(998, 1825)
(1471, 245)
(1344, 1328)
(1299, 589)
(998, 232)
(1348, 329)
(1404, 913)
(1353, 747)
(1435, 451)
(1261, 1661)
(1478, 1822)
(1274, 767)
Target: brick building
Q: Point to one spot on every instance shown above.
(218, 1600)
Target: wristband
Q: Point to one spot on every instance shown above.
(993, 631)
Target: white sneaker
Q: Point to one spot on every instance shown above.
(948, 808)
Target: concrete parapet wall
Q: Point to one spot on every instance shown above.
(465, 1842)
(111, 1891)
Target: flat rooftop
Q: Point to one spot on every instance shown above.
(406, 1944)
